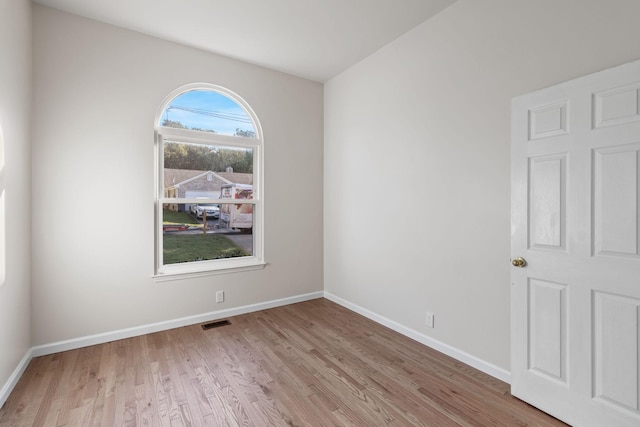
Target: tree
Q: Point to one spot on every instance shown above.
(179, 155)
(185, 156)
(245, 133)
(174, 155)
(179, 125)
(239, 160)
(173, 124)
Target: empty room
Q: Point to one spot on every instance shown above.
(337, 212)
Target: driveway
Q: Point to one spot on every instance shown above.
(245, 241)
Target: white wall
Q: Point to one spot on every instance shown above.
(15, 179)
(426, 122)
(97, 89)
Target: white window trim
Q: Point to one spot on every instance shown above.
(162, 134)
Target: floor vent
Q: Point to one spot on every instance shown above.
(215, 324)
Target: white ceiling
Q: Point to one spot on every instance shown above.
(315, 39)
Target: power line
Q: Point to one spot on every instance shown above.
(235, 117)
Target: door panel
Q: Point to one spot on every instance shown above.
(616, 350)
(548, 120)
(547, 181)
(576, 220)
(617, 106)
(616, 200)
(548, 323)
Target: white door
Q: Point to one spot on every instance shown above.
(575, 305)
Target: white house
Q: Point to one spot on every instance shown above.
(184, 183)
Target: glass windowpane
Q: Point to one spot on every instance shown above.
(189, 238)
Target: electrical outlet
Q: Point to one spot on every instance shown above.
(220, 296)
(429, 320)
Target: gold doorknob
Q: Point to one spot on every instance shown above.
(519, 262)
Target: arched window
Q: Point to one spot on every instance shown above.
(209, 211)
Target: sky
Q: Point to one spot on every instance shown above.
(214, 111)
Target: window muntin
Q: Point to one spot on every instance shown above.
(194, 163)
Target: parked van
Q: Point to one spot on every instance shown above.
(236, 216)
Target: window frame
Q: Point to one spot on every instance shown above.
(165, 134)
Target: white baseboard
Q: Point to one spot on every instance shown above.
(75, 343)
(56, 347)
(72, 344)
(457, 354)
(8, 387)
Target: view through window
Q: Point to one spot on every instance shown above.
(208, 206)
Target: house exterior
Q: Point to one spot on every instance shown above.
(189, 184)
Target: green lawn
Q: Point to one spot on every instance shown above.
(198, 247)
(173, 217)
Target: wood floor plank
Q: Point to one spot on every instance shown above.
(308, 364)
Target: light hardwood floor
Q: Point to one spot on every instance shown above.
(308, 364)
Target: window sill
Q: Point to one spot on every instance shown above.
(182, 271)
